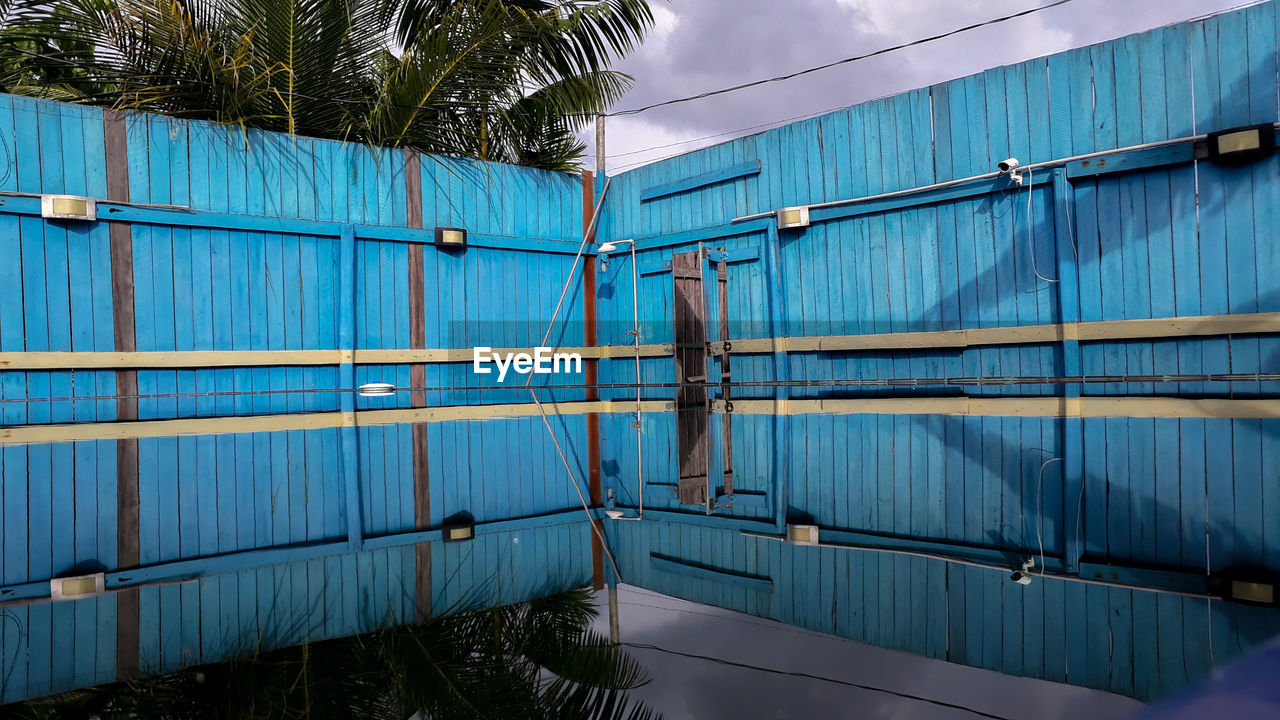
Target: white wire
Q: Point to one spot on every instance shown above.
(576, 487)
(1039, 509)
(1031, 231)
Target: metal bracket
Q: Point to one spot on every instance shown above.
(721, 406)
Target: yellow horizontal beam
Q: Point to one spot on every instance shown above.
(254, 358)
(180, 359)
(1088, 407)
(73, 432)
(1191, 326)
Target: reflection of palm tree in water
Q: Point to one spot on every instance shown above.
(528, 660)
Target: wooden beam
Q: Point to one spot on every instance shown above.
(742, 580)
(589, 340)
(1094, 331)
(725, 174)
(120, 236)
(123, 212)
(183, 427)
(1051, 406)
(254, 358)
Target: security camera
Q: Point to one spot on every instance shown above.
(1020, 577)
(1008, 165)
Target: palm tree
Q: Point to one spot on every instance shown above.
(504, 80)
(526, 661)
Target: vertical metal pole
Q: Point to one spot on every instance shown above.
(600, 148)
(1072, 425)
(635, 319)
(614, 635)
(348, 450)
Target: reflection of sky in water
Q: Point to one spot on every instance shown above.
(686, 688)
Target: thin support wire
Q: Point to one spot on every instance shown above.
(573, 479)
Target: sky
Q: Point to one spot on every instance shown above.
(699, 45)
(688, 689)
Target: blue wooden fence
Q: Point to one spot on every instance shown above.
(1120, 238)
(237, 246)
(310, 265)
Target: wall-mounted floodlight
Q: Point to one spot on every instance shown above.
(451, 236)
(802, 534)
(80, 586)
(793, 217)
(613, 513)
(1241, 145)
(459, 532)
(376, 390)
(68, 207)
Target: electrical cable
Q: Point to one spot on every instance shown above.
(1031, 230)
(808, 676)
(1040, 508)
(735, 616)
(864, 56)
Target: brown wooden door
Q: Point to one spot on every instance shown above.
(690, 319)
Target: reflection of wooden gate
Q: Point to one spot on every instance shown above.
(690, 319)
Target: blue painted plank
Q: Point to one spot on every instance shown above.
(701, 180)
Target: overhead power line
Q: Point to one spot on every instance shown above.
(860, 686)
(806, 71)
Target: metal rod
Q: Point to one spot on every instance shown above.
(990, 566)
(835, 382)
(574, 268)
(984, 176)
(635, 319)
(573, 478)
(600, 165)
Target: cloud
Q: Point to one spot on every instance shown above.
(700, 45)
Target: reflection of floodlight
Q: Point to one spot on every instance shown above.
(459, 532)
(1241, 145)
(802, 534)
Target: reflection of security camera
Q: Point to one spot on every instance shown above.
(1023, 576)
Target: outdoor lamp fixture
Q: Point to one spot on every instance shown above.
(613, 513)
(68, 207)
(793, 217)
(608, 247)
(459, 532)
(1242, 144)
(376, 390)
(451, 237)
(75, 588)
(802, 534)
